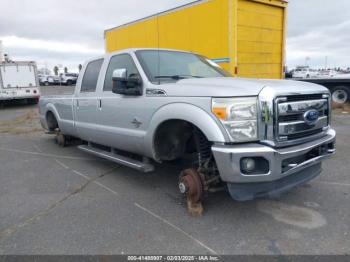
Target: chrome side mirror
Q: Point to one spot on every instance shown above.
(120, 75)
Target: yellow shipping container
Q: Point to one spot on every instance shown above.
(246, 37)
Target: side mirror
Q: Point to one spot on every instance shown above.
(124, 85)
(120, 75)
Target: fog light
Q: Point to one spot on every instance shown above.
(248, 164)
(254, 166)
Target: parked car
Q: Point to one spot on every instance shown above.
(304, 72)
(68, 78)
(253, 137)
(47, 80)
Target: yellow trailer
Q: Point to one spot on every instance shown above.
(246, 37)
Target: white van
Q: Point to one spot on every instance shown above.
(19, 81)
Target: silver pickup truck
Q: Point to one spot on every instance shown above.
(252, 137)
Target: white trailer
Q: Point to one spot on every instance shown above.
(19, 81)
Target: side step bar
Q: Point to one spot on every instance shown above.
(122, 160)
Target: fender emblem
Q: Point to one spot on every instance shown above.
(136, 122)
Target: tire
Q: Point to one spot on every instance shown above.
(69, 82)
(340, 94)
(46, 83)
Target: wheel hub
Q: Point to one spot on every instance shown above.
(340, 96)
(191, 184)
(183, 188)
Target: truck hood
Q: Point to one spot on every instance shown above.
(229, 86)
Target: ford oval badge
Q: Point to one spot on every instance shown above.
(311, 116)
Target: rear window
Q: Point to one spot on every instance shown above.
(18, 75)
(91, 76)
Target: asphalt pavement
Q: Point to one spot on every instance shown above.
(62, 201)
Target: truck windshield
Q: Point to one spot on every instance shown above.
(170, 66)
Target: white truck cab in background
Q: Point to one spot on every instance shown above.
(305, 72)
(19, 81)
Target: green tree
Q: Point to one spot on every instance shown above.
(55, 70)
(65, 70)
(80, 67)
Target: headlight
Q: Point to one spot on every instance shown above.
(239, 116)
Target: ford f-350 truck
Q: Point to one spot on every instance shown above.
(254, 137)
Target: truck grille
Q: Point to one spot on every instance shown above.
(304, 97)
(296, 117)
(292, 122)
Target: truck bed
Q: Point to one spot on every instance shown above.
(63, 108)
(339, 87)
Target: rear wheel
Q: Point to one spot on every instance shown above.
(340, 95)
(69, 82)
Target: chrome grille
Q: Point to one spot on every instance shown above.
(296, 117)
(291, 124)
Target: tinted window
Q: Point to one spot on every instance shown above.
(119, 62)
(91, 76)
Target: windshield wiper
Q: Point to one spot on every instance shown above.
(178, 77)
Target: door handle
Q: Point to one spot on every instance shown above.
(100, 104)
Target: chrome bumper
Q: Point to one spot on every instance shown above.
(228, 159)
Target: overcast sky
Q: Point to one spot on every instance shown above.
(68, 32)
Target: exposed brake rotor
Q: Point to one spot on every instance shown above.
(191, 184)
(61, 139)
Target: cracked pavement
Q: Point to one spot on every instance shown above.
(62, 201)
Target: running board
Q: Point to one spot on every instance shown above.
(122, 160)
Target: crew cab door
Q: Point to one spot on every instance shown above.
(121, 116)
(86, 103)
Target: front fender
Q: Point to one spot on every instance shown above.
(187, 112)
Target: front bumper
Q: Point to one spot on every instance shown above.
(228, 159)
